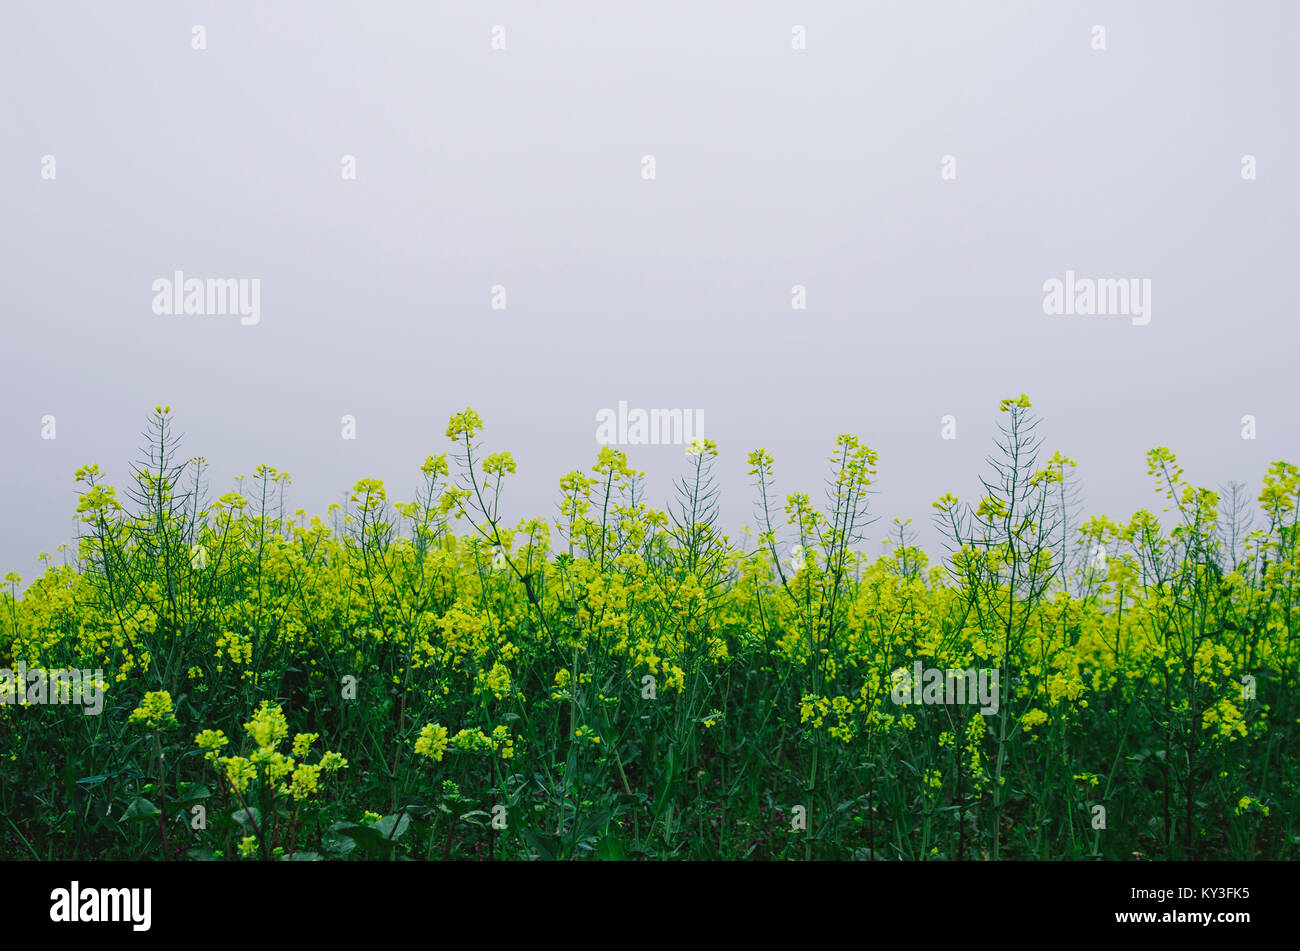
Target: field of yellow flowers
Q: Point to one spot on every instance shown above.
(419, 680)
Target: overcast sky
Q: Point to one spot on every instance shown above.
(523, 167)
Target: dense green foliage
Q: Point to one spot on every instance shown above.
(417, 679)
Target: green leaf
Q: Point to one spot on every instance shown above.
(609, 849)
(193, 792)
(248, 818)
(335, 842)
(593, 824)
(571, 765)
(544, 846)
(366, 837)
(662, 800)
(140, 810)
(392, 827)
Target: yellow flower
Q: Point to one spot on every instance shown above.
(1246, 802)
(276, 764)
(155, 711)
(240, 773)
(268, 727)
(432, 741)
(1033, 719)
(504, 743)
(332, 761)
(303, 783)
(465, 424)
(496, 681)
(213, 741)
(945, 502)
(560, 686)
(472, 741)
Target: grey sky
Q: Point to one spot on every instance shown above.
(522, 167)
